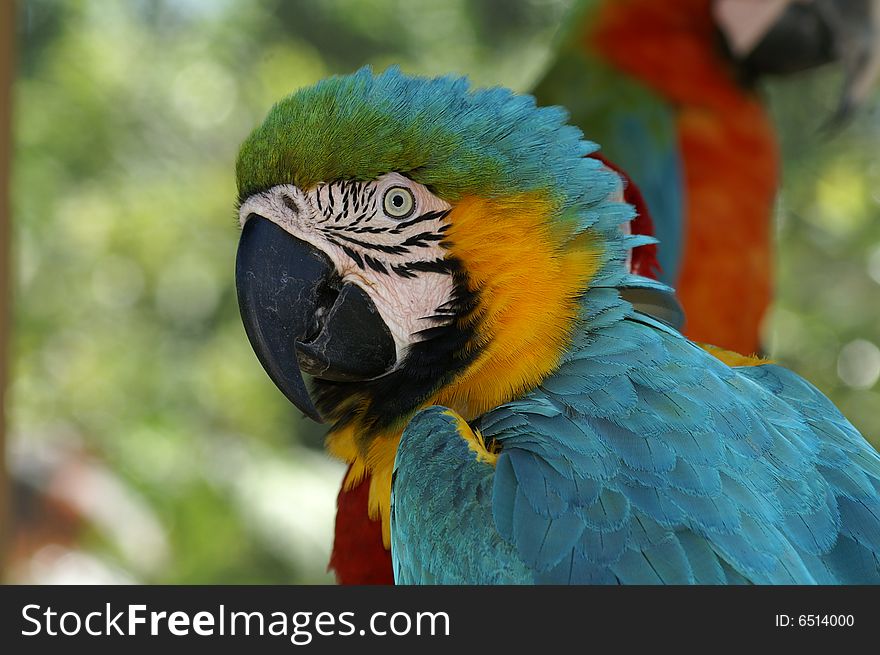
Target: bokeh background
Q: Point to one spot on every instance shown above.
(144, 441)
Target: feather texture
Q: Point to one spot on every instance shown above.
(729, 475)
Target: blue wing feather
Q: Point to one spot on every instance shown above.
(713, 475)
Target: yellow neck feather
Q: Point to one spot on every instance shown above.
(732, 358)
(528, 271)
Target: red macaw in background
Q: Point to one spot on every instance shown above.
(667, 88)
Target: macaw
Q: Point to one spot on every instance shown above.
(668, 88)
(451, 269)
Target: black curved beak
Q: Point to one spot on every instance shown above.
(808, 34)
(300, 317)
(799, 40)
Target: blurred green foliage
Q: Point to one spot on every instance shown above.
(129, 354)
(128, 344)
(826, 321)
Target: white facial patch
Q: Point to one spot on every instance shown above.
(383, 235)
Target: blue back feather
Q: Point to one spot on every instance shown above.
(642, 458)
(645, 460)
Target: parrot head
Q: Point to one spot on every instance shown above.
(779, 37)
(409, 240)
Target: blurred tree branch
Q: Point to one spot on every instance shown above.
(7, 34)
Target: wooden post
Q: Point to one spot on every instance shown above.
(7, 51)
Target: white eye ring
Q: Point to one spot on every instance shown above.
(399, 202)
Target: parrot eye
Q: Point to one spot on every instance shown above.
(399, 202)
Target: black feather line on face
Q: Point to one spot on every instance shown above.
(428, 365)
(345, 193)
(423, 240)
(375, 264)
(355, 230)
(401, 271)
(433, 266)
(290, 203)
(369, 230)
(427, 216)
(353, 255)
(379, 247)
(362, 216)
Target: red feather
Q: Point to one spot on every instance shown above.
(359, 557)
(644, 258)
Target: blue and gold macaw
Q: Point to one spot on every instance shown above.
(450, 268)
